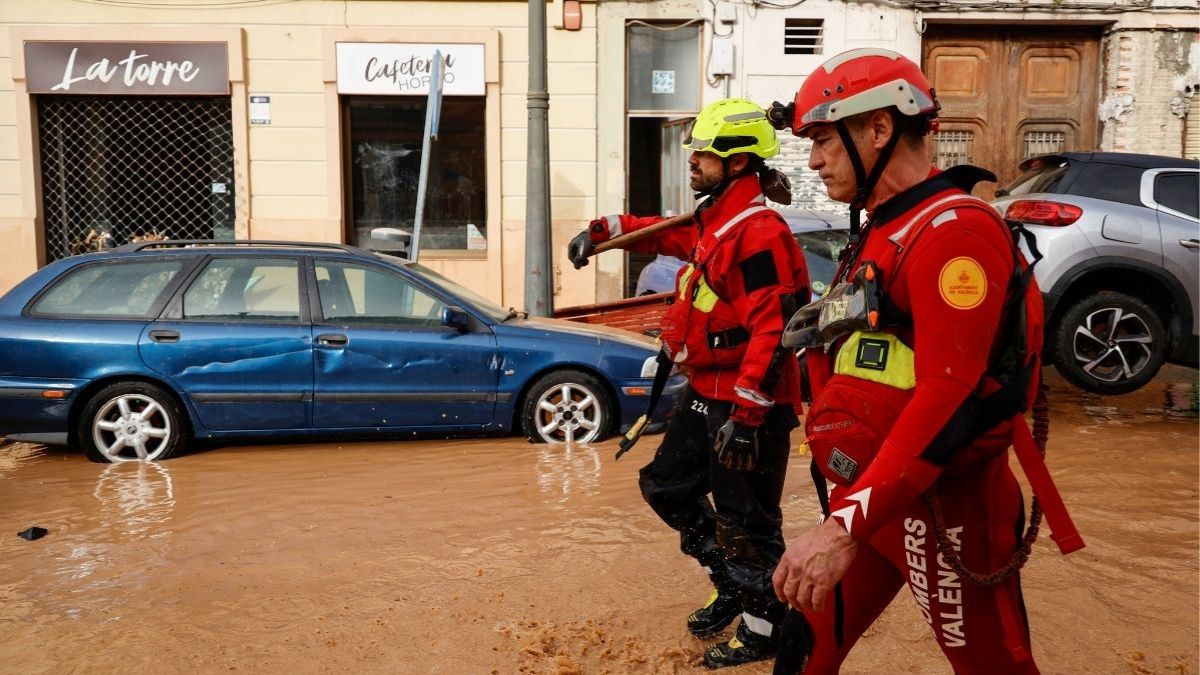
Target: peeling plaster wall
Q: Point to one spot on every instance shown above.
(1149, 76)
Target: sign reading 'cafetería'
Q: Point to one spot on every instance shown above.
(407, 69)
(189, 68)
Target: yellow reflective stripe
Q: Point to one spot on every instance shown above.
(683, 279)
(705, 299)
(897, 369)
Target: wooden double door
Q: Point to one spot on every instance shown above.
(1012, 92)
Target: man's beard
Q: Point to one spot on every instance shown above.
(705, 183)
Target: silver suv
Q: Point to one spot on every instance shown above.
(1120, 234)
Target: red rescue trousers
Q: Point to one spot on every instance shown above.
(981, 629)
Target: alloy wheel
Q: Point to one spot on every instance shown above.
(569, 413)
(131, 427)
(1113, 344)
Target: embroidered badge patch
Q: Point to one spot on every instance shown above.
(962, 283)
(842, 465)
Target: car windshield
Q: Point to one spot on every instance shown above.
(821, 251)
(477, 301)
(1042, 175)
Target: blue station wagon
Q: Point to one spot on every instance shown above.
(131, 353)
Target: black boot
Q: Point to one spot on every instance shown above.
(745, 646)
(720, 611)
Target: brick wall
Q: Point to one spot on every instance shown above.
(1147, 75)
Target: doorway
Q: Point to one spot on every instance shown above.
(1011, 92)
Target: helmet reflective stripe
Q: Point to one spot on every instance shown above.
(908, 99)
(856, 53)
(739, 117)
(858, 81)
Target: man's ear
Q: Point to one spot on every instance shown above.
(882, 127)
(738, 163)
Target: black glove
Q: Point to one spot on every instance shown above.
(737, 446)
(580, 248)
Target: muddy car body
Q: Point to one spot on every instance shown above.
(1120, 235)
(133, 352)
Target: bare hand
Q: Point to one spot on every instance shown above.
(812, 565)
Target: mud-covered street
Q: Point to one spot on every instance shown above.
(495, 556)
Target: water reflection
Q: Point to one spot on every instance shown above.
(1182, 400)
(135, 498)
(565, 471)
(16, 455)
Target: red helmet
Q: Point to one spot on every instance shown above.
(858, 81)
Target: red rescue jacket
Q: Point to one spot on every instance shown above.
(946, 261)
(745, 276)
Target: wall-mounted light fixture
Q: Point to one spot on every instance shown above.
(572, 15)
(566, 14)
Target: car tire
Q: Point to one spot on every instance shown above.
(566, 406)
(1109, 343)
(121, 417)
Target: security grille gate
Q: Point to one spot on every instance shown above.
(119, 169)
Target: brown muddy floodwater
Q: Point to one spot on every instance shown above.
(494, 556)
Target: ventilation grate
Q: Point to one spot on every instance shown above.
(803, 36)
(951, 148)
(1043, 142)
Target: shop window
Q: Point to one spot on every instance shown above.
(121, 169)
(383, 170)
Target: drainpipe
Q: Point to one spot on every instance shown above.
(538, 279)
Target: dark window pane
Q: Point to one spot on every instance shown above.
(1041, 176)
(1179, 191)
(385, 162)
(1110, 182)
(108, 289)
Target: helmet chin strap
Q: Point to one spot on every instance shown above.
(865, 184)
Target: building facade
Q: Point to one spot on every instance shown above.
(129, 121)
(1015, 78)
(145, 119)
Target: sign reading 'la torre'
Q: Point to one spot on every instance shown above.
(188, 68)
(405, 69)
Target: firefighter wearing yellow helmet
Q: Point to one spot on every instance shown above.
(718, 475)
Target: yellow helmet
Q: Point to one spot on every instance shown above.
(730, 126)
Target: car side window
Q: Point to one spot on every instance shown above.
(109, 289)
(245, 289)
(1110, 182)
(1178, 192)
(361, 294)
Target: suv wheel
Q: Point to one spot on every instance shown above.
(131, 421)
(1109, 343)
(566, 406)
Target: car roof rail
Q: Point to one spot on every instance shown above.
(266, 243)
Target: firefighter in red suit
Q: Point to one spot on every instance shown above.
(892, 407)
(730, 435)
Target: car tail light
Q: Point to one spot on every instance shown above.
(1055, 214)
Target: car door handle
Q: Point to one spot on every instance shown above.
(1190, 243)
(333, 339)
(164, 335)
